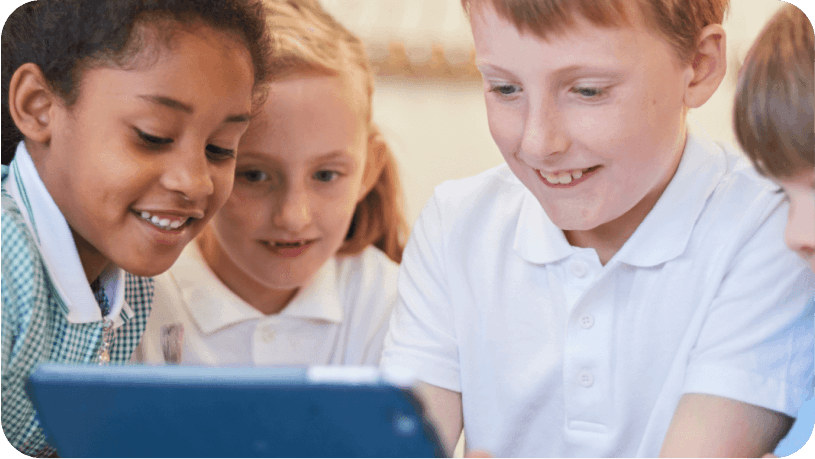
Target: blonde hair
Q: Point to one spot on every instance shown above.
(307, 39)
(679, 22)
(773, 114)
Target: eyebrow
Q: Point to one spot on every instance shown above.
(560, 73)
(182, 107)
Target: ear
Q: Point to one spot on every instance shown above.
(708, 66)
(30, 102)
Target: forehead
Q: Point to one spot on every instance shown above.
(500, 44)
(306, 115)
(544, 17)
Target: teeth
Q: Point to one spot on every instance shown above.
(163, 223)
(564, 178)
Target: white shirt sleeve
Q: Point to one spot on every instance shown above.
(756, 344)
(422, 334)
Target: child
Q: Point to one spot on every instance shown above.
(621, 286)
(120, 123)
(774, 119)
(295, 269)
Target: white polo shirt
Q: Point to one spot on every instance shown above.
(340, 318)
(557, 355)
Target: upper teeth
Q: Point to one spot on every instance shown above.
(163, 223)
(563, 178)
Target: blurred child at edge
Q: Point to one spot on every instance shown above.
(299, 266)
(774, 120)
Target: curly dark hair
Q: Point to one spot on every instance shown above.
(66, 37)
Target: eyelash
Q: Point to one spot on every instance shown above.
(156, 143)
(334, 175)
(500, 88)
(596, 92)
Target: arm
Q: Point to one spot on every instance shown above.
(711, 426)
(443, 408)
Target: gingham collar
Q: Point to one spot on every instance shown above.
(56, 244)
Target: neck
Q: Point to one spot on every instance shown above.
(93, 262)
(258, 295)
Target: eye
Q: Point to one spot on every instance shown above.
(326, 176)
(505, 89)
(153, 141)
(253, 175)
(217, 153)
(588, 93)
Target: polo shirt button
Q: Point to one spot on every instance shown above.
(585, 378)
(579, 269)
(586, 321)
(267, 335)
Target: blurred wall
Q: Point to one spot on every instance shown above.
(438, 128)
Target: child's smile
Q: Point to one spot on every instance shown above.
(146, 155)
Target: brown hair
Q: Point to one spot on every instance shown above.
(679, 22)
(773, 115)
(307, 39)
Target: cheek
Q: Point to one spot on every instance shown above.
(506, 126)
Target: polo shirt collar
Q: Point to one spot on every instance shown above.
(213, 306)
(666, 230)
(58, 250)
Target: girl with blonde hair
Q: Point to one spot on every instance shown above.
(299, 267)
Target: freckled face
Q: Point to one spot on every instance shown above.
(145, 157)
(591, 121)
(297, 184)
(800, 233)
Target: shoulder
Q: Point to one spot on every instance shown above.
(493, 185)
(368, 277)
(742, 199)
(22, 262)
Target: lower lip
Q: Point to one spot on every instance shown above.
(288, 252)
(572, 184)
(165, 236)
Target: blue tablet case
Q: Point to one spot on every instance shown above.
(177, 411)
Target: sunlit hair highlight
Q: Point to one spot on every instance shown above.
(773, 116)
(306, 39)
(679, 22)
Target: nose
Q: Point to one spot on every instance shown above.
(544, 133)
(188, 173)
(294, 211)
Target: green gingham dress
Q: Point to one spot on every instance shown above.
(35, 328)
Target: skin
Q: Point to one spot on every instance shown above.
(800, 233)
(158, 138)
(608, 98)
(298, 180)
(614, 99)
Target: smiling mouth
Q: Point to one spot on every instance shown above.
(165, 223)
(566, 177)
(288, 244)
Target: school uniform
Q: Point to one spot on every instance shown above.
(339, 318)
(49, 312)
(557, 355)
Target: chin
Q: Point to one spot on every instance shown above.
(150, 268)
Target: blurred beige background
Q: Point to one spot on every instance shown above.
(436, 122)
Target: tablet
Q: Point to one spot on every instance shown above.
(183, 411)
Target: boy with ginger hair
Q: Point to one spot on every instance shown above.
(621, 286)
